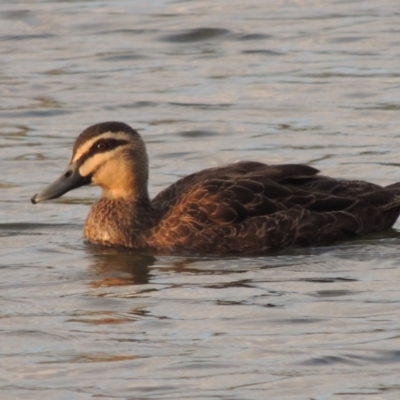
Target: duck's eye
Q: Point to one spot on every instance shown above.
(101, 146)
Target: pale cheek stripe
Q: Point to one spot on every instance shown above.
(94, 162)
(85, 147)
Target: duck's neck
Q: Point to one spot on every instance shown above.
(121, 221)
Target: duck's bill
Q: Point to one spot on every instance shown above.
(69, 180)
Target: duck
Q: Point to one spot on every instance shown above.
(243, 208)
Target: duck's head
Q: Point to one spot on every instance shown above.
(111, 155)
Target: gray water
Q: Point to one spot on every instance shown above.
(206, 83)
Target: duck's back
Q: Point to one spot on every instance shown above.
(250, 207)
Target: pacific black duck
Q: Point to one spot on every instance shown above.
(248, 207)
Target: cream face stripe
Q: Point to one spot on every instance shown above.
(94, 162)
(86, 146)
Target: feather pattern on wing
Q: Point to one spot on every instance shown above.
(252, 207)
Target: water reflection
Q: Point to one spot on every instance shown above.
(118, 266)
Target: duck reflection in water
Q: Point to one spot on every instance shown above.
(119, 266)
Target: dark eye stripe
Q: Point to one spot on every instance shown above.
(110, 144)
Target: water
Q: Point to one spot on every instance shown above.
(206, 83)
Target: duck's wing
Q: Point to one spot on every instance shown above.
(248, 206)
(257, 177)
(247, 189)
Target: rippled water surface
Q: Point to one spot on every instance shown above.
(206, 83)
